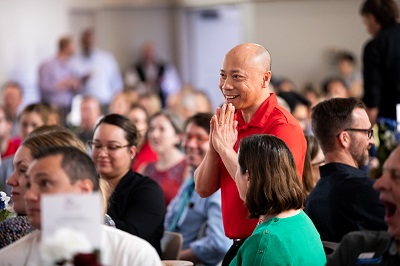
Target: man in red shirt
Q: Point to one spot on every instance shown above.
(244, 78)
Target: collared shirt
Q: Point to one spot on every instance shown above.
(116, 248)
(105, 79)
(268, 119)
(368, 247)
(211, 247)
(51, 73)
(343, 201)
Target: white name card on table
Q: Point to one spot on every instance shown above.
(82, 212)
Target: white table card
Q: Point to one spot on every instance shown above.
(82, 212)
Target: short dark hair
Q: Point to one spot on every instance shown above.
(132, 135)
(274, 183)
(75, 163)
(386, 12)
(200, 119)
(332, 116)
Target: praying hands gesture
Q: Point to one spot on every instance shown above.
(223, 132)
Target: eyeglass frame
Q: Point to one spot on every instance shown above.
(370, 131)
(117, 147)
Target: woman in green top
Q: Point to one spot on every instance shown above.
(269, 185)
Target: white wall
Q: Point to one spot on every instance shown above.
(29, 31)
(300, 35)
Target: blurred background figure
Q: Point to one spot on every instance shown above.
(347, 68)
(188, 102)
(12, 98)
(98, 69)
(120, 104)
(151, 102)
(314, 159)
(165, 138)
(31, 117)
(151, 74)
(316, 156)
(199, 220)
(8, 146)
(334, 87)
(299, 108)
(57, 82)
(145, 154)
(90, 113)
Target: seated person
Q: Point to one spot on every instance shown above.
(188, 212)
(269, 185)
(164, 135)
(46, 136)
(69, 170)
(135, 202)
(383, 246)
(343, 199)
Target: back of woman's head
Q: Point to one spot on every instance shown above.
(131, 133)
(274, 183)
(52, 136)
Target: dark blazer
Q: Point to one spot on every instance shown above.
(137, 206)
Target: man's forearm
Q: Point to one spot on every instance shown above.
(206, 176)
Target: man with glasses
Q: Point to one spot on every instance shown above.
(344, 200)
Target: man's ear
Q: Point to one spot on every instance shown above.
(266, 78)
(344, 139)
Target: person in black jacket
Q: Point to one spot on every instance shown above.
(381, 69)
(135, 202)
(343, 199)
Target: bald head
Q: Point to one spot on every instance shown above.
(252, 53)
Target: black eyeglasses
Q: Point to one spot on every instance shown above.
(370, 132)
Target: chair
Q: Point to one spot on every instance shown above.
(171, 244)
(329, 247)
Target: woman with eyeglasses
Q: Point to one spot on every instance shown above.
(135, 202)
(270, 188)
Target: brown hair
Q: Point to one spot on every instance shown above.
(332, 116)
(49, 136)
(386, 12)
(312, 151)
(274, 184)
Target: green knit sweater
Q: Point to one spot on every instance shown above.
(283, 241)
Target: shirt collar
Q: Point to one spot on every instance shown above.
(260, 117)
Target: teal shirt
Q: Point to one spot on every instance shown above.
(283, 241)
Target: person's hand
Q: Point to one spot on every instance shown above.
(223, 132)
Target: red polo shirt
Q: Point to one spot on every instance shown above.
(272, 119)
